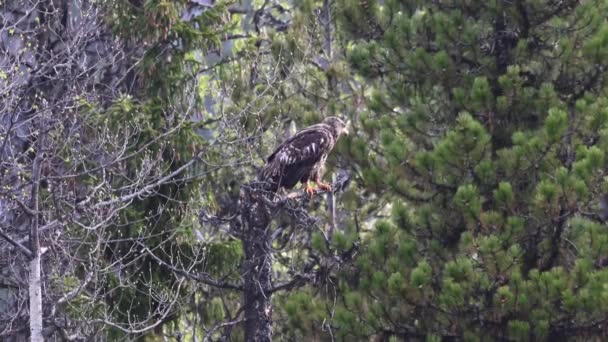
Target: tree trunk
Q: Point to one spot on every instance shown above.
(35, 293)
(257, 266)
(35, 284)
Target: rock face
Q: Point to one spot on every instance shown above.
(53, 53)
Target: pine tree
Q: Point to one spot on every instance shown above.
(479, 196)
(481, 147)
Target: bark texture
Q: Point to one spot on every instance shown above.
(256, 238)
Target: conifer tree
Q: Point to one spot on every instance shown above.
(481, 146)
(477, 155)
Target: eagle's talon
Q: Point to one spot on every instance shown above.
(324, 186)
(309, 190)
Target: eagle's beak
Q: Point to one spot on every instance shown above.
(347, 127)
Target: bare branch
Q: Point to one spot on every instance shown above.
(205, 279)
(19, 246)
(221, 325)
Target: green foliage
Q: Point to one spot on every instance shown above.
(478, 155)
(153, 123)
(483, 136)
(556, 124)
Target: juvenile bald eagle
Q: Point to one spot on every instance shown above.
(302, 157)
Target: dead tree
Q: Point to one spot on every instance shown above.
(257, 208)
(256, 215)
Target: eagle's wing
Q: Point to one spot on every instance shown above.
(306, 147)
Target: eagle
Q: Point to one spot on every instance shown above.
(302, 157)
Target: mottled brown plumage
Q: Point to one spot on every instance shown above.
(301, 157)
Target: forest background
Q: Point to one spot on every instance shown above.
(471, 195)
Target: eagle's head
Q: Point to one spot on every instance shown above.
(338, 126)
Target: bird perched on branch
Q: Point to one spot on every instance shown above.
(302, 157)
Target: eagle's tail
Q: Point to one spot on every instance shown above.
(268, 176)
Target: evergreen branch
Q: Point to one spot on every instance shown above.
(302, 279)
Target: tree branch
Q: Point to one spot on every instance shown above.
(297, 281)
(220, 325)
(205, 279)
(341, 182)
(19, 246)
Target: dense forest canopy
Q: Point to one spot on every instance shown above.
(469, 201)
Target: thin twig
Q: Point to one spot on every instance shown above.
(220, 325)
